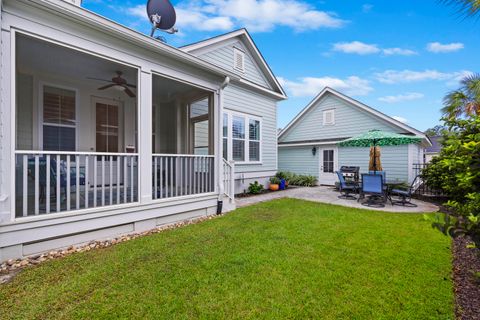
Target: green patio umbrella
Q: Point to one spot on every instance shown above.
(376, 138)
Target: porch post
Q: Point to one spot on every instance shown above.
(217, 136)
(145, 137)
(7, 127)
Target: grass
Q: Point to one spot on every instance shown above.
(281, 259)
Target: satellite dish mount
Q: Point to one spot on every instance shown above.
(162, 16)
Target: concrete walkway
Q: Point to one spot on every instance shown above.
(330, 195)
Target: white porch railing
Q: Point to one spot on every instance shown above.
(176, 175)
(229, 179)
(53, 181)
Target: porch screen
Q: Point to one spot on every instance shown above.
(59, 119)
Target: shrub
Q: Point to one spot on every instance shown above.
(297, 179)
(255, 188)
(274, 180)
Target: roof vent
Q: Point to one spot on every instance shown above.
(238, 60)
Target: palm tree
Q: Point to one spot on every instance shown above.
(464, 101)
(466, 7)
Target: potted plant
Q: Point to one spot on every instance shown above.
(283, 179)
(274, 183)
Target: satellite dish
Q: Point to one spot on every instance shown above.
(162, 16)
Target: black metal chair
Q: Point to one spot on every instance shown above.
(372, 185)
(404, 196)
(346, 188)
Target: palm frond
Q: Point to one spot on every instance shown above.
(465, 7)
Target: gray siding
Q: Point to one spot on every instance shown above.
(394, 160)
(248, 102)
(298, 160)
(223, 57)
(349, 121)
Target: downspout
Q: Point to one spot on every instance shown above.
(221, 188)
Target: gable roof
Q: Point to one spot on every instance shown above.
(436, 145)
(244, 36)
(359, 105)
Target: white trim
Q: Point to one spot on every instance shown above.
(308, 144)
(243, 35)
(356, 103)
(246, 117)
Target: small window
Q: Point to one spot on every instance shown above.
(238, 60)
(328, 117)
(238, 138)
(254, 140)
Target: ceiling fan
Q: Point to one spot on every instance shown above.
(118, 83)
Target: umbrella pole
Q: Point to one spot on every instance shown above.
(374, 157)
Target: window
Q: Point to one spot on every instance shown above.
(59, 119)
(254, 140)
(328, 117)
(238, 60)
(238, 138)
(328, 161)
(225, 136)
(241, 138)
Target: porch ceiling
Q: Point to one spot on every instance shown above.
(44, 57)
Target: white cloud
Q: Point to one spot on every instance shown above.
(438, 47)
(366, 8)
(398, 51)
(401, 97)
(256, 15)
(406, 76)
(310, 86)
(401, 119)
(356, 47)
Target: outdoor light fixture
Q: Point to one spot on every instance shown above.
(314, 151)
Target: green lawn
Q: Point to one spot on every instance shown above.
(282, 259)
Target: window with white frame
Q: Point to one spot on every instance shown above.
(329, 117)
(242, 138)
(238, 60)
(59, 119)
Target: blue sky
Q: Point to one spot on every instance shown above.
(398, 59)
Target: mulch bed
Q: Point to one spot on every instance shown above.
(264, 191)
(466, 262)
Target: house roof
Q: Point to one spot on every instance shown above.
(358, 104)
(436, 146)
(247, 40)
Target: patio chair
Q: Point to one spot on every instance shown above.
(404, 196)
(346, 189)
(372, 185)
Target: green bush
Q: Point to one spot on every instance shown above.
(297, 179)
(274, 180)
(255, 188)
(456, 170)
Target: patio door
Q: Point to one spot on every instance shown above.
(328, 165)
(108, 136)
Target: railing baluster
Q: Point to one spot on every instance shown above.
(77, 176)
(87, 175)
(132, 182)
(68, 183)
(95, 180)
(161, 177)
(118, 179)
(37, 184)
(111, 180)
(57, 175)
(155, 178)
(103, 181)
(47, 185)
(125, 179)
(171, 177)
(25, 185)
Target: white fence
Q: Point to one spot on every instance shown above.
(48, 182)
(176, 175)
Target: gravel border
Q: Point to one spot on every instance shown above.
(9, 269)
(466, 262)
